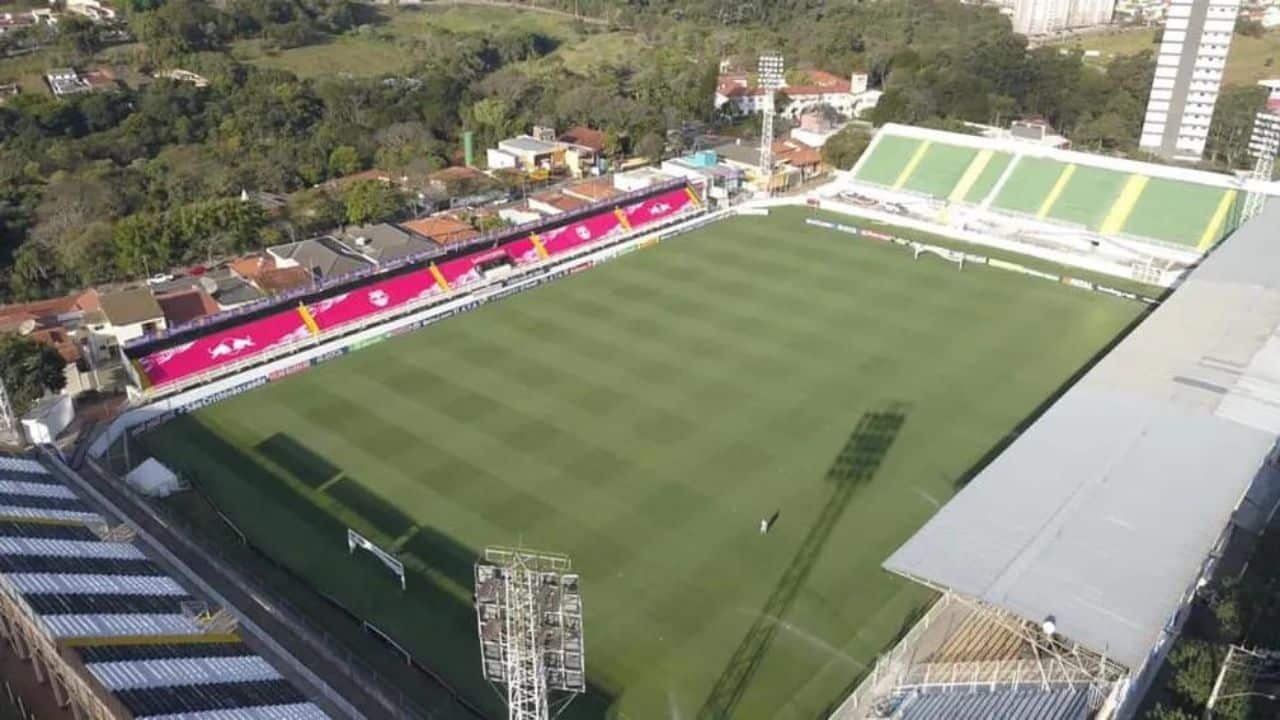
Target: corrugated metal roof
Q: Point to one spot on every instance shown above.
(1070, 703)
(298, 711)
(1102, 513)
(68, 548)
(95, 584)
(181, 671)
(114, 625)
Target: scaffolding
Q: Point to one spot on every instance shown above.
(529, 622)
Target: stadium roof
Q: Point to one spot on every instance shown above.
(1102, 513)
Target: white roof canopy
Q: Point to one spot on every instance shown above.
(1103, 512)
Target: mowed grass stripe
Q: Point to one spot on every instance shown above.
(642, 417)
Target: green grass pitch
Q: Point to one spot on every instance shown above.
(643, 417)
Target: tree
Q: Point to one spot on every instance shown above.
(371, 201)
(844, 148)
(1232, 124)
(29, 369)
(344, 160)
(1249, 28)
(651, 146)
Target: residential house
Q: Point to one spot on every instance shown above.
(782, 176)
(718, 180)
(584, 149)
(848, 97)
(554, 202)
(443, 230)
(93, 9)
(324, 257)
(227, 288)
(383, 243)
(814, 128)
(519, 213)
(596, 190)
(457, 181)
(59, 323)
(266, 277)
(527, 154)
(129, 314)
(66, 81)
(185, 306)
(795, 154)
(638, 179)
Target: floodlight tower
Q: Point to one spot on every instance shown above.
(1263, 168)
(770, 78)
(8, 423)
(529, 617)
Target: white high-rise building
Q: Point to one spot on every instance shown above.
(1193, 54)
(1040, 17)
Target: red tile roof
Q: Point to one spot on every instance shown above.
(442, 229)
(185, 306)
(251, 266)
(275, 280)
(560, 201)
(796, 153)
(820, 82)
(593, 190)
(584, 136)
(57, 338)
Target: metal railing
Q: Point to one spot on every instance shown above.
(491, 238)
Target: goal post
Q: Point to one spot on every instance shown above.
(356, 540)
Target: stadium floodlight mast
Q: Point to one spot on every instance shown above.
(529, 619)
(8, 422)
(770, 78)
(1263, 168)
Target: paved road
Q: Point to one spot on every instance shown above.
(336, 685)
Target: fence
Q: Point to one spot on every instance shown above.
(491, 238)
(356, 668)
(143, 419)
(255, 372)
(955, 255)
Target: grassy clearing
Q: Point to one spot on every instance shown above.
(395, 43)
(1251, 59)
(643, 417)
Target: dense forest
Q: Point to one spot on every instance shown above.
(112, 185)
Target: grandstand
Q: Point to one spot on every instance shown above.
(222, 345)
(1090, 535)
(1153, 220)
(112, 633)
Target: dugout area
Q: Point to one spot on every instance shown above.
(642, 417)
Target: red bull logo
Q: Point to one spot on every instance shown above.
(234, 346)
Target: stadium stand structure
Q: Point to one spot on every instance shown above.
(224, 345)
(1152, 218)
(112, 634)
(1090, 535)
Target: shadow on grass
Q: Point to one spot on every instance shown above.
(1026, 422)
(297, 460)
(854, 466)
(276, 533)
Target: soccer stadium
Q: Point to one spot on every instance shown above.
(1146, 221)
(723, 428)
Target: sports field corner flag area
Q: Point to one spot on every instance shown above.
(643, 417)
(1076, 189)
